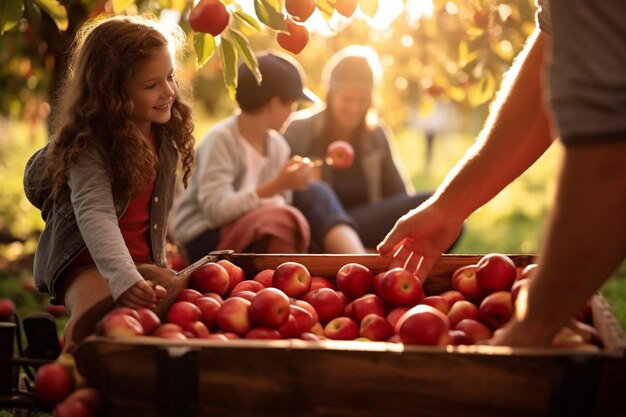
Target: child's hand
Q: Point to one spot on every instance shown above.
(296, 174)
(139, 295)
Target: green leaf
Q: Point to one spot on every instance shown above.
(10, 13)
(247, 54)
(369, 7)
(120, 5)
(204, 45)
(326, 7)
(483, 90)
(277, 5)
(229, 63)
(56, 11)
(247, 19)
(268, 15)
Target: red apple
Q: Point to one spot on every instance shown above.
(214, 296)
(233, 316)
(149, 320)
(495, 272)
(198, 330)
(462, 310)
(474, 330)
(290, 329)
(452, 296)
(120, 325)
(354, 280)
(308, 307)
(235, 273)
(208, 311)
(269, 308)
(211, 277)
(295, 38)
(458, 337)
(464, 281)
(209, 16)
(53, 383)
(587, 331)
(183, 313)
(304, 319)
(176, 261)
(517, 288)
(170, 331)
(438, 302)
(395, 314)
(92, 397)
(341, 328)
(74, 407)
(401, 288)
(265, 277)
(528, 271)
(263, 333)
(292, 278)
(247, 285)
(217, 336)
(496, 309)
(326, 302)
(376, 328)
(340, 154)
(567, 338)
(321, 282)
(300, 9)
(424, 325)
(378, 282)
(248, 295)
(309, 336)
(188, 294)
(317, 329)
(367, 304)
(7, 307)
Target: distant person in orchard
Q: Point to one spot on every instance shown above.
(105, 182)
(584, 44)
(375, 190)
(241, 192)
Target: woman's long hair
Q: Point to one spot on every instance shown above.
(95, 106)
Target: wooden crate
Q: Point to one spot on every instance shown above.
(154, 377)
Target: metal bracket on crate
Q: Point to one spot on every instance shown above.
(177, 381)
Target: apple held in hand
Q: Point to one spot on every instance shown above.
(209, 16)
(495, 272)
(269, 308)
(295, 38)
(464, 281)
(340, 154)
(424, 325)
(341, 328)
(292, 278)
(400, 287)
(211, 277)
(354, 280)
(496, 309)
(53, 383)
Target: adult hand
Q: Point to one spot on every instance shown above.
(420, 237)
(297, 173)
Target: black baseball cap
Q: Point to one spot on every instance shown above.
(282, 77)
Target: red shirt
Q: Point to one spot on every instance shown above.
(134, 225)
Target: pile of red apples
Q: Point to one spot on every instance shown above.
(221, 304)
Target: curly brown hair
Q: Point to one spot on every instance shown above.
(94, 105)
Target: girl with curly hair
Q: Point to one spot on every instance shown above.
(105, 182)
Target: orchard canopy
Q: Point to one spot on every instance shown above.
(452, 50)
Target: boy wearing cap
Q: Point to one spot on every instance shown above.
(240, 194)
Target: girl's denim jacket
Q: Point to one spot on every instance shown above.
(88, 215)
